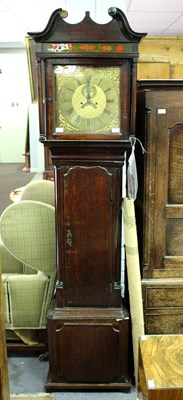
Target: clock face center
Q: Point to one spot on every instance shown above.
(89, 101)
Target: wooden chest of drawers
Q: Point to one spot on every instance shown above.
(163, 305)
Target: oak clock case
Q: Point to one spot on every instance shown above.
(86, 119)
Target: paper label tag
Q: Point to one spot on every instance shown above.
(161, 110)
(115, 130)
(59, 130)
(151, 384)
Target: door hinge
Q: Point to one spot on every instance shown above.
(117, 285)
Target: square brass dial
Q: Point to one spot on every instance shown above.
(87, 99)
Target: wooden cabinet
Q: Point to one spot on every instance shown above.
(160, 201)
(87, 103)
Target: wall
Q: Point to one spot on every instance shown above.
(161, 57)
(14, 100)
(36, 148)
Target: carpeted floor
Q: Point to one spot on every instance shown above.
(36, 396)
(12, 176)
(39, 396)
(27, 374)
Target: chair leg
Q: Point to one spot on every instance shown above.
(16, 345)
(4, 381)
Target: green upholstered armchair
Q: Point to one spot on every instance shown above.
(28, 260)
(39, 190)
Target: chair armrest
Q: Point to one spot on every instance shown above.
(8, 263)
(28, 232)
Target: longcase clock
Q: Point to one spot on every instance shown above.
(87, 104)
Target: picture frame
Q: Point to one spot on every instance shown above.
(32, 67)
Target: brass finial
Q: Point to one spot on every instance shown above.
(63, 14)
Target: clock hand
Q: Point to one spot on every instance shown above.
(88, 89)
(89, 104)
(89, 92)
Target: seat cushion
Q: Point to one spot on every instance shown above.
(26, 298)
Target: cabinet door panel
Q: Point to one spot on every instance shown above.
(87, 230)
(175, 187)
(174, 197)
(174, 237)
(160, 110)
(169, 186)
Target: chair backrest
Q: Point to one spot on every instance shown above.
(39, 190)
(27, 229)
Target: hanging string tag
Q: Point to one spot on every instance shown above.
(132, 174)
(142, 147)
(132, 171)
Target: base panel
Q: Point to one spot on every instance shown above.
(57, 387)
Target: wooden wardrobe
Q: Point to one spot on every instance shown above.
(160, 203)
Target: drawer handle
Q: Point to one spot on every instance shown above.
(69, 237)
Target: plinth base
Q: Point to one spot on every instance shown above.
(58, 387)
(88, 349)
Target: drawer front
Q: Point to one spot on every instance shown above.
(164, 323)
(164, 297)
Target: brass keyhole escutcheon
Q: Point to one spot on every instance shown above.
(69, 237)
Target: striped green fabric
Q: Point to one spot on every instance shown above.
(5, 301)
(39, 190)
(26, 294)
(26, 300)
(8, 263)
(27, 230)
